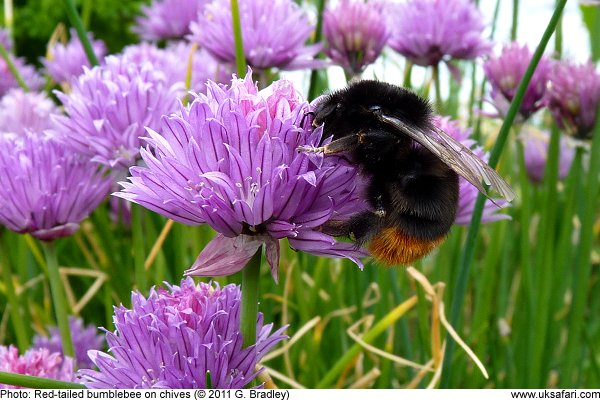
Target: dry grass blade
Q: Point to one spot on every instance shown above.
(366, 380)
(305, 328)
(438, 315)
(438, 372)
(372, 295)
(398, 360)
(311, 283)
(158, 244)
(285, 379)
(31, 283)
(75, 305)
(414, 383)
(264, 376)
(35, 250)
(87, 228)
(460, 342)
(285, 315)
(342, 312)
(59, 35)
(89, 259)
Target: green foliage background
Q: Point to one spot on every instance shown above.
(109, 20)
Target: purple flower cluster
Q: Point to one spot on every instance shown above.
(46, 190)
(30, 76)
(65, 61)
(230, 160)
(573, 96)
(108, 108)
(22, 112)
(273, 31)
(174, 338)
(35, 362)
(167, 19)
(355, 34)
(467, 192)
(505, 71)
(85, 338)
(173, 62)
(535, 146)
(428, 32)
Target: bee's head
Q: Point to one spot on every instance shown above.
(329, 108)
(341, 113)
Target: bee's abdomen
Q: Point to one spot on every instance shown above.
(391, 246)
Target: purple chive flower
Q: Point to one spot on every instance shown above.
(65, 61)
(535, 146)
(572, 97)
(22, 112)
(173, 338)
(173, 62)
(167, 19)
(354, 33)
(35, 362)
(84, 338)
(108, 108)
(29, 74)
(274, 33)
(46, 190)
(230, 159)
(505, 72)
(430, 31)
(467, 192)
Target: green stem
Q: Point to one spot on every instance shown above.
(240, 58)
(468, 255)
(581, 281)
(139, 252)
(406, 81)
(545, 276)
(17, 317)
(478, 117)
(313, 89)
(58, 298)
(9, 20)
(249, 311)
(525, 243)
(515, 20)
(34, 382)
(437, 88)
(558, 40)
(13, 69)
(81, 33)
(87, 7)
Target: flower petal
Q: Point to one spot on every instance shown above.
(225, 256)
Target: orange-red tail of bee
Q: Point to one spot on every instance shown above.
(392, 247)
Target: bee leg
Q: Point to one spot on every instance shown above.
(379, 209)
(342, 145)
(361, 227)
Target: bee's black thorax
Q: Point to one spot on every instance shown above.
(410, 190)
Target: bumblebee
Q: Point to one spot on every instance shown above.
(412, 169)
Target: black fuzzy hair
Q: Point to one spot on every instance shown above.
(350, 110)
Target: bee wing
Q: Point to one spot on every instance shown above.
(457, 156)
